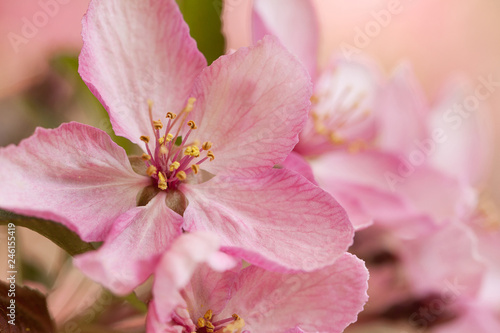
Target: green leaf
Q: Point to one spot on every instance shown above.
(133, 300)
(178, 140)
(56, 232)
(204, 20)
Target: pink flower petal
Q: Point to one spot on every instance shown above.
(255, 102)
(135, 51)
(392, 189)
(278, 220)
(177, 268)
(297, 163)
(358, 182)
(326, 300)
(444, 260)
(130, 252)
(295, 330)
(209, 289)
(75, 175)
(294, 22)
(206, 290)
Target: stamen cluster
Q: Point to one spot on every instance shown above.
(173, 157)
(234, 324)
(347, 111)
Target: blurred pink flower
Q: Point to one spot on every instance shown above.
(192, 294)
(425, 161)
(250, 107)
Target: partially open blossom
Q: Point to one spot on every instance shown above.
(211, 138)
(193, 292)
(344, 92)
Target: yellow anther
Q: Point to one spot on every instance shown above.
(319, 127)
(181, 175)
(336, 139)
(192, 151)
(146, 157)
(161, 140)
(145, 138)
(163, 150)
(157, 124)
(162, 184)
(208, 315)
(314, 99)
(201, 322)
(207, 145)
(169, 137)
(151, 170)
(196, 168)
(236, 326)
(171, 115)
(190, 104)
(192, 124)
(174, 166)
(356, 146)
(209, 326)
(210, 155)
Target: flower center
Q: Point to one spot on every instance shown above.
(172, 157)
(234, 324)
(339, 115)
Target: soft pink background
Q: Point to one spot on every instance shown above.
(20, 65)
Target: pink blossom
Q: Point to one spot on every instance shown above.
(419, 146)
(192, 294)
(209, 165)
